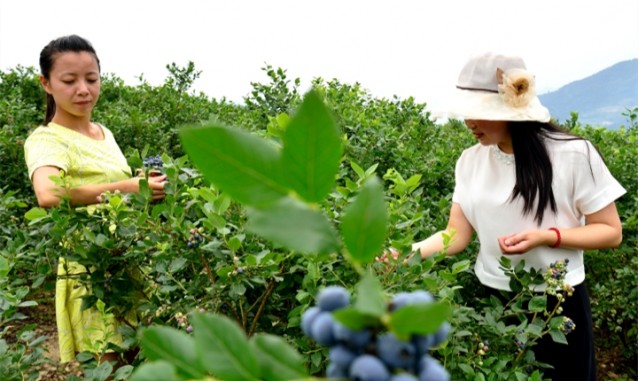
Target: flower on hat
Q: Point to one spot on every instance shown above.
(516, 86)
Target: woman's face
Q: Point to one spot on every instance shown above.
(74, 83)
(489, 132)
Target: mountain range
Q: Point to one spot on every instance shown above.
(600, 99)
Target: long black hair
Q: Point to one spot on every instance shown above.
(72, 43)
(534, 172)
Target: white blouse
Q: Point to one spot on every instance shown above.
(485, 178)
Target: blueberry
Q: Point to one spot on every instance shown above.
(441, 335)
(307, 318)
(335, 371)
(400, 299)
(395, 353)
(432, 370)
(333, 298)
(423, 343)
(406, 298)
(341, 356)
(368, 368)
(322, 329)
(353, 339)
(420, 296)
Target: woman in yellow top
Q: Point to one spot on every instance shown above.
(89, 158)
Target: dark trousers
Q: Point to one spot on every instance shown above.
(574, 361)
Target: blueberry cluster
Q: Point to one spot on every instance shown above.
(153, 162)
(555, 277)
(568, 325)
(370, 354)
(194, 239)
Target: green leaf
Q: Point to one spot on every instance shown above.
(293, 224)
(224, 348)
(364, 223)
(421, 318)
(312, 150)
(355, 319)
(100, 373)
(123, 372)
(357, 169)
(277, 359)
(4, 267)
(538, 303)
(460, 266)
(144, 189)
(155, 371)
(241, 164)
(370, 299)
(35, 213)
(558, 336)
(177, 264)
(176, 347)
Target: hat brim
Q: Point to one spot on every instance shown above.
(485, 105)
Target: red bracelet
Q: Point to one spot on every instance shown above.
(557, 238)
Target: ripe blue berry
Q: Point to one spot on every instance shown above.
(341, 356)
(307, 318)
(368, 368)
(406, 298)
(421, 296)
(432, 370)
(396, 354)
(333, 298)
(441, 335)
(423, 343)
(335, 371)
(322, 329)
(353, 339)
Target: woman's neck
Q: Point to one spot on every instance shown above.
(505, 147)
(82, 125)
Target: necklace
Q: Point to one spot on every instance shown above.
(506, 158)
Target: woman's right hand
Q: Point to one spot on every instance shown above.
(156, 183)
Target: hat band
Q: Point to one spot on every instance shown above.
(476, 89)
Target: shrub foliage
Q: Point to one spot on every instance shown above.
(214, 259)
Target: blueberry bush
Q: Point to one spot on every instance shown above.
(270, 204)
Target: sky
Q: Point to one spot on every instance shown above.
(407, 48)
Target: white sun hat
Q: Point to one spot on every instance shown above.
(494, 87)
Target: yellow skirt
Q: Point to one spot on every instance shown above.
(79, 331)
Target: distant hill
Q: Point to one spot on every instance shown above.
(600, 99)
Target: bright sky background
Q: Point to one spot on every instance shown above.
(394, 47)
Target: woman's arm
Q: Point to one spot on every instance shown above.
(49, 194)
(458, 227)
(602, 230)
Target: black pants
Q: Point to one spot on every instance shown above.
(576, 360)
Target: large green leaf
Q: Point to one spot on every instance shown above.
(176, 347)
(364, 223)
(293, 224)
(224, 348)
(312, 150)
(277, 359)
(241, 164)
